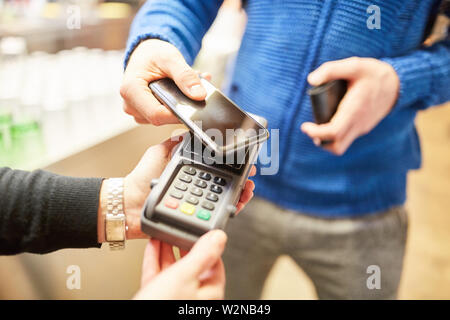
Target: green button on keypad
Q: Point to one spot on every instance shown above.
(204, 214)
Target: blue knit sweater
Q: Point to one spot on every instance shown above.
(283, 42)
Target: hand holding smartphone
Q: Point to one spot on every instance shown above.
(218, 122)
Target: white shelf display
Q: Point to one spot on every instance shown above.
(55, 105)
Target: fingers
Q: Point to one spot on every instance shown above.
(150, 263)
(167, 258)
(247, 193)
(140, 103)
(151, 60)
(205, 75)
(153, 162)
(323, 132)
(163, 150)
(346, 69)
(183, 253)
(252, 171)
(339, 128)
(339, 147)
(214, 286)
(339, 137)
(185, 77)
(205, 253)
(141, 120)
(350, 120)
(170, 143)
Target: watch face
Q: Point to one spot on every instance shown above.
(115, 229)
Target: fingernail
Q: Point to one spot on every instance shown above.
(176, 138)
(316, 141)
(197, 90)
(218, 236)
(304, 127)
(312, 78)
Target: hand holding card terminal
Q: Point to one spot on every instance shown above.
(201, 186)
(196, 193)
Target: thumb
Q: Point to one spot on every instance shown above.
(186, 78)
(346, 69)
(170, 143)
(154, 160)
(161, 151)
(205, 253)
(150, 263)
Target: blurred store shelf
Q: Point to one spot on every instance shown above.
(52, 36)
(95, 125)
(54, 26)
(55, 105)
(60, 72)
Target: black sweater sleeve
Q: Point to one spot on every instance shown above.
(42, 212)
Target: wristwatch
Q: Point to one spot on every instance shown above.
(115, 221)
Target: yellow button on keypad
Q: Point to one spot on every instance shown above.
(187, 208)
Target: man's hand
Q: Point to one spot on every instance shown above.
(198, 275)
(152, 60)
(137, 187)
(373, 88)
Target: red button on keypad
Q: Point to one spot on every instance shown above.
(171, 203)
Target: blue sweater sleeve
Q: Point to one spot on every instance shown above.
(424, 76)
(183, 23)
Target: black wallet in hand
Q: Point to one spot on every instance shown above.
(325, 100)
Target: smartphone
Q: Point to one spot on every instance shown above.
(217, 121)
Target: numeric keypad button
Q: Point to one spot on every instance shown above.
(187, 208)
(204, 214)
(190, 170)
(212, 197)
(185, 178)
(216, 189)
(181, 186)
(220, 181)
(204, 175)
(192, 199)
(171, 203)
(196, 191)
(200, 183)
(176, 194)
(208, 205)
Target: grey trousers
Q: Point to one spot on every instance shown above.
(351, 258)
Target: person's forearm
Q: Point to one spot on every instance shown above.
(424, 76)
(181, 23)
(42, 212)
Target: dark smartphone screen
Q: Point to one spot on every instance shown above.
(215, 114)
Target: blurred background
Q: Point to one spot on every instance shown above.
(61, 66)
